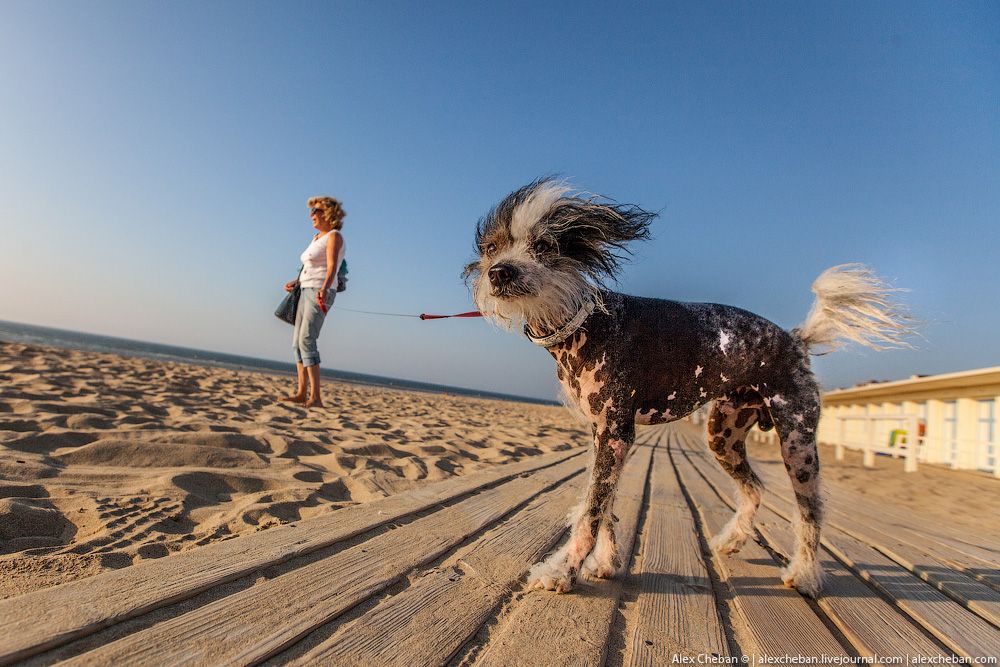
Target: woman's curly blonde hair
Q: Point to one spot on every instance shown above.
(333, 210)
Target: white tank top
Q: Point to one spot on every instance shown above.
(314, 262)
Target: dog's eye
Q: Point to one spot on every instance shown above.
(541, 246)
(489, 248)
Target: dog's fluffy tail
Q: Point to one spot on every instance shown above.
(852, 303)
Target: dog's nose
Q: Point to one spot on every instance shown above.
(501, 274)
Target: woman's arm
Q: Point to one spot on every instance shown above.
(333, 245)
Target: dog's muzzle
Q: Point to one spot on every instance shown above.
(502, 276)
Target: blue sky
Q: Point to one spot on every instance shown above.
(158, 157)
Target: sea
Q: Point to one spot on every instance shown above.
(31, 334)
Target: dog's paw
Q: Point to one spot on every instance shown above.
(547, 577)
(597, 567)
(603, 571)
(732, 537)
(806, 576)
(728, 541)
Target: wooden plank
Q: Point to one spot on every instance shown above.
(544, 628)
(971, 543)
(50, 617)
(962, 545)
(431, 620)
(956, 627)
(986, 573)
(959, 535)
(771, 620)
(933, 535)
(675, 611)
(872, 625)
(256, 623)
(971, 594)
(974, 595)
(972, 560)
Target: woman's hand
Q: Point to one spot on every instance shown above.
(321, 300)
(290, 285)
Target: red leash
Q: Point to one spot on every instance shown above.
(423, 316)
(474, 313)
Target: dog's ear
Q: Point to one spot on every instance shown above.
(595, 234)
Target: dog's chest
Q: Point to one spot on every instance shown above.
(585, 379)
(593, 382)
(611, 382)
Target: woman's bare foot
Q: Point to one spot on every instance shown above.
(294, 398)
(318, 403)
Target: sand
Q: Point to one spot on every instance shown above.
(108, 460)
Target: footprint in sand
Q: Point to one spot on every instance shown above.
(71, 409)
(153, 551)
(118, 451)
(90, 422)
(31, 523)
(20, 425)
(298, 448)
(336, 491)
(46, 443)
(132, 520)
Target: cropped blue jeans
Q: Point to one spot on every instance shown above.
(308, 321)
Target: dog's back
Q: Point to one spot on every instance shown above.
(677, 356)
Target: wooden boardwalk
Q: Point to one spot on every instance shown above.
(434, 576)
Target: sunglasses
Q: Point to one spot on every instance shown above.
(314, 211)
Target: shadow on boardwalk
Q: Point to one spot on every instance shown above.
(434, 576)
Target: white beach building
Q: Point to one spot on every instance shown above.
(951, 418)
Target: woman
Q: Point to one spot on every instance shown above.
(318, 280)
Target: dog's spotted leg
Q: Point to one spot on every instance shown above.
(593, 523)
(604, 561)
(796, 416)
(728, 425)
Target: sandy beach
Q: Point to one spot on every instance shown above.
(108, 460)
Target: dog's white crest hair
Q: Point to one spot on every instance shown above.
(852, 303)
(537, 206)
(580, 236)
(557, 296)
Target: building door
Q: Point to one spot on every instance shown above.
(985, 441)
(922, 427)
(951, 432)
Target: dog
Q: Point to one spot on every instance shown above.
(544, 253)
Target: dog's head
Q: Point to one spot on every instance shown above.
(543, 251)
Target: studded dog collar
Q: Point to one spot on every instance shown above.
(566, 330)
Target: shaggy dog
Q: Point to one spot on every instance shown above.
(543, 253)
